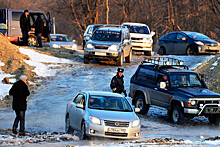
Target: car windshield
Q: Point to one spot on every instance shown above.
(194, 35)
(111, 36)
(109, 103)
(185, 80)
(60, 38)
(138, 29)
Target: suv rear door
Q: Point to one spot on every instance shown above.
(14, 23)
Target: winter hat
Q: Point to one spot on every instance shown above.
(23, 77)
(25, 11)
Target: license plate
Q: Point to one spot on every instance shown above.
(100, 54)
(116, 130)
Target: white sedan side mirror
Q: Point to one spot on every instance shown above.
(152, 33)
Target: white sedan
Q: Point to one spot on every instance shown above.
(61, 41)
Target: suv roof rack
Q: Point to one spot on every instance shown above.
(160, 62)
(111, 25)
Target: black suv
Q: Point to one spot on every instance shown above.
(166, 82)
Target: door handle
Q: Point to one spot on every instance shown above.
(13, 28)
(155, 89)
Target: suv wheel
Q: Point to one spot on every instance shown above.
(68, 128)
(214, 119)
(128, 58)
(147, 53)
(141, 104)
(120, 60)
(86, 60)
(32, 41)
(177, 115)
(162, 51)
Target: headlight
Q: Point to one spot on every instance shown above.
(199, 43)
(74, 46)
(55, 46)
(89, 45)
(135, 123)
(193, 103)
(113, 48)
(95, 120)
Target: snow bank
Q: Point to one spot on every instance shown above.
(215, 64)
(37, 60)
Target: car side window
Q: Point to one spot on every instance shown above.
(16, 16)
(146, 75)
(78, 98)
(83, 101)
(171, 36)
(180, 36)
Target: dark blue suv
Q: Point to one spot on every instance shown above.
(185, 42)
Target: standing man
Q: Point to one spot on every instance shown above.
(117, 83)
(39, 30)
(20, 92)
(25, 26)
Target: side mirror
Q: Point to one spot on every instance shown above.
(152, 33)
(80, 106)
(137, 110)
(184, 39)
(162, 85)
(126, 41)
(74, 41)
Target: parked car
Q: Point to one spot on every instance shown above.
(167, 83)
(109, 43)
(61, 41)
(89, 31)
(11, 18)
(141, 37)
(185, 42)
(103, 114)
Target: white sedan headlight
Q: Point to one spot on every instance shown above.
(95, 120)
(113, 48)
(89, 46)
(135, 123)
(55, 46)
(74, 46)
(199, 43)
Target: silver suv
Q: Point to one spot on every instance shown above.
(109, 43)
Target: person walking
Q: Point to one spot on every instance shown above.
(117, 82)
(20, 92)
(39, 30)
(25, 26)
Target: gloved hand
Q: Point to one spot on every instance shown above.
(114, 89)
(125, 93)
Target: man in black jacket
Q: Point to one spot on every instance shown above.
(117, 82)
(19, 91)
(39, 30)
(25, 26)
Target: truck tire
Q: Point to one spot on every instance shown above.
(128, 58)
(32, 41)
(147, 53)
(120, 60)
(141, 104)
(214, 119)
(177, 115)
(86, 60)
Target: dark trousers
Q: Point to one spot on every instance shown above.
(39, 40)
(25, 37)
(20, 116)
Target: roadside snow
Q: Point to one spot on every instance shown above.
(4, 87)
(38, 60)
(215, 64)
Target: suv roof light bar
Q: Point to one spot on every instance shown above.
(164, 61)
(111, 25)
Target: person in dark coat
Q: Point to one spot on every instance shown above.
(25, 26)
(39, 29)
(20, 92)
(117, 82)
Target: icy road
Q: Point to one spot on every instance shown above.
(46, 107)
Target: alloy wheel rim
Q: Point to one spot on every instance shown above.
(175, 115)
(139, 104)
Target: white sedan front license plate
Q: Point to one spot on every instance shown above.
(100, 54)
(116, 130)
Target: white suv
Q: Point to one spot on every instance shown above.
(141, 37)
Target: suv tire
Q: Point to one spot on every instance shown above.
(177, 115)
(86, 60)
(68, 128)
(120, 60)
(141, 103)
(129, 57)
(214, 119)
